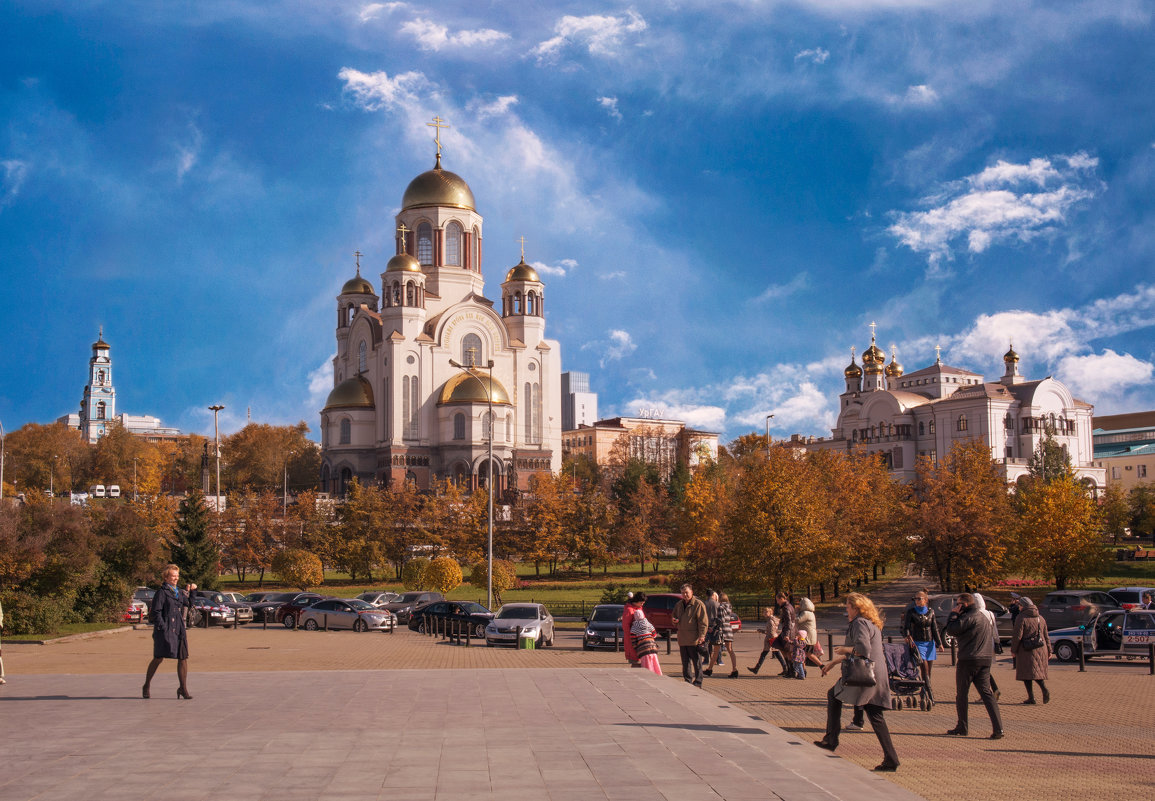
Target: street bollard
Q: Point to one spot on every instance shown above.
(1082, 661)
(1151, 662)
(669, 637)
(517, 638)
(953, 651)
(264, 621)
(617, 642)
(829, 645)
(326, 621)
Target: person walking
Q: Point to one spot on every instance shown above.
(972, 631)
(629, 611)
(787, 631)
(920, 629)
(644, 635)
(169, 636)
(724, 638)
(997, 645)
(768, 641)
(690, 616)
(1032, 649)
(809, 623)
(2, 679)
(863, 640)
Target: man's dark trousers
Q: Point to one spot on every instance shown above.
(690, 656)
(968, 673)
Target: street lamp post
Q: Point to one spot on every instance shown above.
(217, 447)
(52, 476)
(489, 489)
(769, 417)
(134, 459)
(285, 500)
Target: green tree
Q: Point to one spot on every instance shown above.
(1142, 502)
(1050, 461)
(443, 574)
(1059, 532)
(194, 550)
(504, 577)
(413, 574)
(299, 568)
(1115, 512)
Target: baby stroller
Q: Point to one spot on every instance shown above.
(905, 677)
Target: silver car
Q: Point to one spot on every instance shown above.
(346, 613)
(531, 620)
(378, 598)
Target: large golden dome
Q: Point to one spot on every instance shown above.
(353, 392)
(403, 263)
(438, 187)
(468, 388)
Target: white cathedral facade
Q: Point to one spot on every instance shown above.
(907, 416)
(420, 366)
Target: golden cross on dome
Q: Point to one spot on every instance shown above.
(437, 125)
(358, 255)
(892, 349)
(101, 334)
(853, 350)
(873, 325)
(522, 241)
(937, 354)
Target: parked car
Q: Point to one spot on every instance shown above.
(258, 597)
(1130, 597)
(378, 598)
(288, 613)
(235, 602)
(135, 612)
(532, 619)
(1063, 608)
(447, 615)
(346, 613)
(604, 621)
(145, 595)
(1116, 632)
(943, 604)
(265, 609)
(404, 605)
(659, 609)
(204, 608)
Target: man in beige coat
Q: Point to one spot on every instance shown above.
(690, 615)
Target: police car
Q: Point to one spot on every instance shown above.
(1117, 632)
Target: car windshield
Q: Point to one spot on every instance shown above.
(1125, 596)
(360, 605)
(606, 615)
(410, 597)
(143, 595)
(215, 597)
(281, 597)
(518, 613)
(471, 608)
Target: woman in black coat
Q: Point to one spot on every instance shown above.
(169, 639)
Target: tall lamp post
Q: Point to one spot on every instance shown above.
(217, 447)
(489, 488)
(769, 417)
(134, 477)
(285, 500)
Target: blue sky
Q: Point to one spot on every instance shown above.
(720, 196)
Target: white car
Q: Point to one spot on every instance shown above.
(526, 619)
(1116, 633)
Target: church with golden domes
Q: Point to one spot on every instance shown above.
(907, 416)
(428, 368)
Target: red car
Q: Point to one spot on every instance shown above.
(659, 609)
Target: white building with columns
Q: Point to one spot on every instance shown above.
(906, 416)
(400, 408)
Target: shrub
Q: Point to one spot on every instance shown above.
(660, 580)
(442, 574)
(413, 574)
(299, 568)
(614, 594)
(25, 613)
(504, 577)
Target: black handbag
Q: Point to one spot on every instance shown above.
(857, 671)
(1032, 641)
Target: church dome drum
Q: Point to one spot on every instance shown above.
(522, 272)
(353, 392)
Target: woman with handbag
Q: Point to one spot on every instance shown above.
(1031, 646)
(864, 678)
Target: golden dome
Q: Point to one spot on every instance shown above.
(522, 272)
(357, 286)
(438, 187)
(353, 392)
(852, 370)
(403, 263)
(468, 388)
(1010, 356)
(873, 355)
(894, 369)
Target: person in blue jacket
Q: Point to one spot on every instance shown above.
(169, 637)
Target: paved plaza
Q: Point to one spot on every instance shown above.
(335, 715)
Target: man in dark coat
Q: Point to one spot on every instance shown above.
(973, 631)
(787, 631)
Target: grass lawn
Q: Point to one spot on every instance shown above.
(65, 630)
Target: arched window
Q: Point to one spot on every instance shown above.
(100, 376)
(396, 293)
(471, 350)
(415, 407)
(362, 358)
(931, 426)
(325, 478)
(453, 244)
(526, 413)
(536, 413)
(962, 422)
(346, 431)
(517, 303)
(459, 426)
(531, 303)
(100, 408)
(406, 412)
(921, 428)
(1009, 422)
(475, 250)
(425, 243)
(410, 294)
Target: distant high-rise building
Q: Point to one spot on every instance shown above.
(579, 406)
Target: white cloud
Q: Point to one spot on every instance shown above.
(372, 10)
(796, 284)
(988, 208)
(436, 37)
(12, 179)
(496, 108)
(613, 275)
(188, 152)
(815, 55)
(601, 34)
(321, 383)
(619, 345)
(610, 104)
(921, 95)
(1104, 373)
(374, 91)
(560, 269)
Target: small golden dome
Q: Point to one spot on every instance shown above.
(438, 187)
(358, 286)
(353, 392)
(522, 272)
(852, 370)
(1010, 356)
(468, 388)
(894, 369)
(403, 263)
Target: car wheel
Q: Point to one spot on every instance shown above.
(289, 621)
(549, 642)
(421, 627)
(359, 625)
(310, 625)
(479, 631)
(1066, 651)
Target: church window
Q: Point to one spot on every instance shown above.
(528, 405)
(471, 350)
(531, 303)
(346, 431)
(396, 293)
(962, 422)
(517, 303)
(537, 413)
(1009, 422)
(415, 407)
(362, 358)
(325, 478)
(508, 427)
(475, 253)
(453, 244)
(931, 426)
(100, 376)
(921, 428)
(100, 408)
(425, 243)
(459, 426)
(410, 294)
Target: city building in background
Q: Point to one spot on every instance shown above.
(1125, 448)
(905, 416)
(662, 443)
(579, 406)
(419, 366)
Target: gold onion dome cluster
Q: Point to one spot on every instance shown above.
(353, 392)
(468, 388)
(522, 272)
(403, 263)
(438, 187)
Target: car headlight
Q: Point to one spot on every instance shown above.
(591, 633)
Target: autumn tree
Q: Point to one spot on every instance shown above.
(413, 574)
(958, 518)
(546, 510)
(362, 519)
(1115, 512)
(257, 456)
(588, 528)
(443, 574)
(254, 532)
(700, 528)
(1050, 461)
(299, 568)
(504, 577)
(1142, 502)
(41, 456)
(1058, 532)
